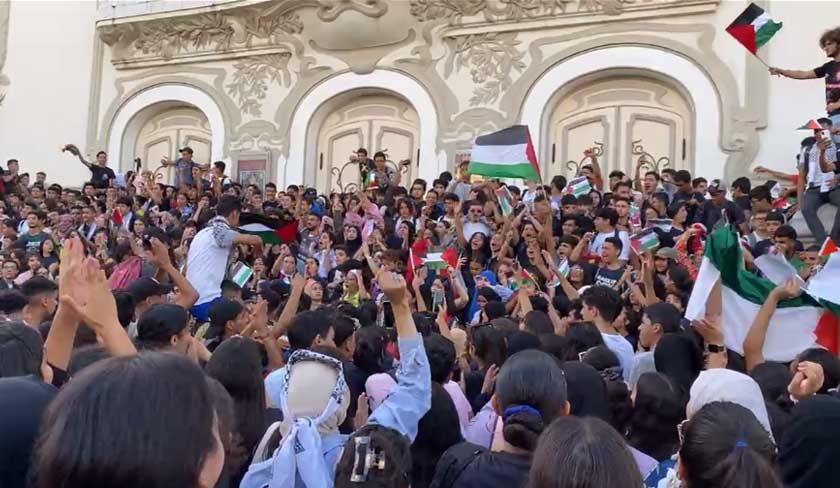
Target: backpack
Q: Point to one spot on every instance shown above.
(125, 273)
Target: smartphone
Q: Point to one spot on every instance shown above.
(437, 300)
(826, 134)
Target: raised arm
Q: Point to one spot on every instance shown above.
(582, 247)
(160, 257)
(289, 311)
(794, 73)
(409, 401)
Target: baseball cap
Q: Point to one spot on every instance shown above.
(157, 233)
(144, 288)
(717, 186)
(666, 253)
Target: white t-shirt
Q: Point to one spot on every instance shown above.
(208, 259)
(471, 228)
(598, 241)
(622, 348)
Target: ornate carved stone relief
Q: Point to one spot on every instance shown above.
(219, 32)
(252, 76)
(491, 58)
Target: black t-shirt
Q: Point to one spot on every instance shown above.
(831, 72)
(608, 277)
(485, 468)
(100, 176)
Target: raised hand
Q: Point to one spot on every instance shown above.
(710, 329)
(394, 288)
(788, 289)
(807, 380)
(158, 253)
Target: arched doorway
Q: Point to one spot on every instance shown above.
(301, 163)
(374, 120)
(681, 73)
(133, 116)
(168, 127)
(629, 117)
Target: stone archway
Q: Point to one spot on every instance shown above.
(137, 111)
(686, 77)
(301, 164)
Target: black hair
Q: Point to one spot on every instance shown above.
(603, 359)
(85, 356)
(582, 452)
(227, 205)
(343, 328)
(761, 192)
(533, 379)
(220, 165)
(680, 358)
(664, 314)
(583, 336)
(379, 154)
(495, 309)
(829, 362)
(608, 214)
(237, 365)
(682, 176)
(724, 445)
(743, 184)
(441, 354)
(605, 300)
(21, 350)
(537, 323)
(38, 285)
(170, 403)
(438, 430)
(786, 231)
(657, 409)
(490, 345)
(306, 327)
(125, 307)
(616, 242)
(369, 355)
(394, 448)
(568, 200)
(698, 181)
(159, 323)
(774, 216)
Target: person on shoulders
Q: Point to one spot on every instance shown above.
(101, 175)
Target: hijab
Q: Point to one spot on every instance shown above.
(809, 451)
(725, 385)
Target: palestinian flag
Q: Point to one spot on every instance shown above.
(791, 328)
(646, 240)
(505, 200)
(438, 258)
(828, 247)
(270, 230)
(753, 28)
(811, 125)
(508, 153)
(578, 186)
(370, 181)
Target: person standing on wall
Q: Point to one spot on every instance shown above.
(183, 167)
(830, 44)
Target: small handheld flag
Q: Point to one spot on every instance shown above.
(664, 225)
(370, 181)
(240, 274)
(811, 125)
(578, 186)
(828, 247)
(753, 28)
(505, 200)
(646, 240)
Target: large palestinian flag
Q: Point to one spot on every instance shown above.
(753, 28)
(508, 153)
(270, 230)
(792, 326)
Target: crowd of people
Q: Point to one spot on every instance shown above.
(462, 332)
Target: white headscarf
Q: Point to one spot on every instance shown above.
(725, 385)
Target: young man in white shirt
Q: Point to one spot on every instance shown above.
(658, 319)
(601, 306)
(605, 223)
(208, 256)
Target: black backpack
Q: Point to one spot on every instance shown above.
(453, 462)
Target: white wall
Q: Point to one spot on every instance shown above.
(794, 102)
(50, 48)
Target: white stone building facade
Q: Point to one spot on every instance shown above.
(286, 90)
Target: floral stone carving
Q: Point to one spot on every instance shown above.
(491, 58)
(252, 77)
